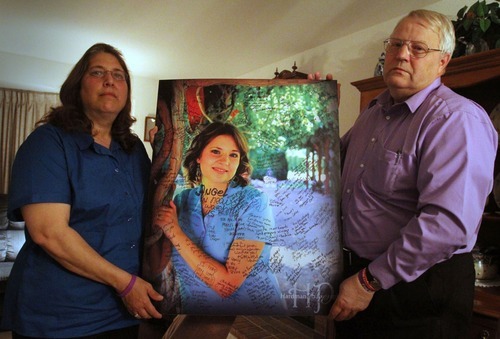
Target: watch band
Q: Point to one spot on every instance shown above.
(372, 280)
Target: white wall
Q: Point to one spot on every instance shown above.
(21, 72)
(27, 73)
(144, 94)
(350, 59)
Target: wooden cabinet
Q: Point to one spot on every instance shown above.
(486, 322)
(484, 328)
(477, 77)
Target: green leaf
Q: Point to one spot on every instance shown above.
(482, 9)
(494, 17)
(468, 24)
(473, 8)
(493, 6)
(484, 24)
(461, 12)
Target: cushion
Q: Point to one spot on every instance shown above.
(5, 269)
(16, 225)
(3, 245)
(15, 240)
(4, 222)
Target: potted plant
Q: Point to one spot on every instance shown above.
(477, 28)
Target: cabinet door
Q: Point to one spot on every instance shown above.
(484, 328)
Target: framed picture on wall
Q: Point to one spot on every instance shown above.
(243, 212)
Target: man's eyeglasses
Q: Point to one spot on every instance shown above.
(118, 75)
(417, 49)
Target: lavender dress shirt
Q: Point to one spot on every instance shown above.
(415, 180)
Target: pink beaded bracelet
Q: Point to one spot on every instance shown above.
(129, 287)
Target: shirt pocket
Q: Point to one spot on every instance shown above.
(383, 171)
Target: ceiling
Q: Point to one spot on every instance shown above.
(187, 38)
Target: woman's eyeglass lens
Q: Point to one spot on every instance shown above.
(100, 73)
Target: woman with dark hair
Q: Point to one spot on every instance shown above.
(79, 184)
(222, 230)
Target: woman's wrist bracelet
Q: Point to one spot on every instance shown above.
(129, 287)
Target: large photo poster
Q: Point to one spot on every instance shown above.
(243, 212)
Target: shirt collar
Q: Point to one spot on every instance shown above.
(413, 102)
(85, 141)
(418, 98)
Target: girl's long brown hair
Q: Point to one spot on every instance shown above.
(201, 140)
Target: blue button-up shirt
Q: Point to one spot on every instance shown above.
(415, 179)
(105, 189)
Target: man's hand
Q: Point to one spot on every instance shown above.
(352, 298)
(317, 76)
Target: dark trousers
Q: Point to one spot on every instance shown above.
(436, 305)
(124, 333)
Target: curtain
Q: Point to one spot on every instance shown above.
(19, 111)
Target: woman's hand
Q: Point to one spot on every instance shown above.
(138, 300)
(166, 219)
(48, 226)
(152, 132)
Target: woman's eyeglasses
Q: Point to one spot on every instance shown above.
(118, 75)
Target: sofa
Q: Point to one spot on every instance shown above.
(12, 239)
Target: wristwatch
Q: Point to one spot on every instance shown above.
(372, 280)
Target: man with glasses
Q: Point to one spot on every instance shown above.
(417, 169)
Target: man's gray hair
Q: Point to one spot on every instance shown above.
(440, 24)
